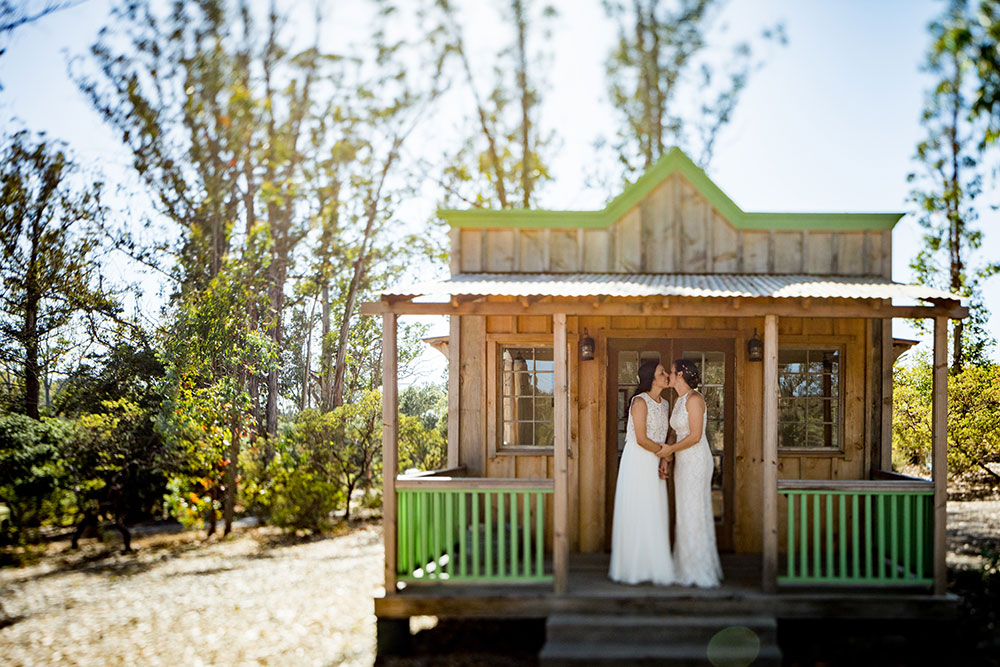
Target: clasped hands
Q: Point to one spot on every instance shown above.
(666, 456)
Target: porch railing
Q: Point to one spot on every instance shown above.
(858, 532)
(471, 529)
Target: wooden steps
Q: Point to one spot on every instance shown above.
(595, 639)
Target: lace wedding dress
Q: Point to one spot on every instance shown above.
(640, 534)
(696, 560)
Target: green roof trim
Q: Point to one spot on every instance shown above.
(674, 161)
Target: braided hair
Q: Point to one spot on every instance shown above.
(688, 371)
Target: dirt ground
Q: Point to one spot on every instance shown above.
(255, 598)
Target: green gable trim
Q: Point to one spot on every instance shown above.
(673, 161)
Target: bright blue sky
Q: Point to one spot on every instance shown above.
(829, 124)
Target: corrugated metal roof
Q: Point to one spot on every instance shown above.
(669, 284)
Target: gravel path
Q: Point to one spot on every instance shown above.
(255, 598)
(972, 526)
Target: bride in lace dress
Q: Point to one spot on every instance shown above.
(640, 534)
(696, 559)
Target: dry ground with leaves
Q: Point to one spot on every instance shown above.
(256, 598)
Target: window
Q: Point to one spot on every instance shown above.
(528, 379)
(809, 398)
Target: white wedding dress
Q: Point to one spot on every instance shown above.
(696, 560)
(640, 534)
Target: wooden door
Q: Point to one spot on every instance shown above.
(716, 363)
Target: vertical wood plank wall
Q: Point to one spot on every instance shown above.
(673, 230)
(588, 413)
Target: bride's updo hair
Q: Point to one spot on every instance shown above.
(688, 371)
(647, 371)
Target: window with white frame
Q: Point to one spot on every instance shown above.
(809, 405)
(527, 379)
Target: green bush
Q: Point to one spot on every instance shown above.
(973, 419)
(31, 473)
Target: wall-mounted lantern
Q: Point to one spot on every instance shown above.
(586, 347)
(755, 348)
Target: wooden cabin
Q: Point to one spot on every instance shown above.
(788, 317)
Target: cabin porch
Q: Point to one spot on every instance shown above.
(461, 527)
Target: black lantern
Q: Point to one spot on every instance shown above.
(586, 347)
(755, 348)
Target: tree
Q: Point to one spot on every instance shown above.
(973, 419)
(948, 185)
(501, 163)
(17, 13)
(50, 234)
(665, 90)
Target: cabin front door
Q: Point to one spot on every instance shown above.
(716, 362)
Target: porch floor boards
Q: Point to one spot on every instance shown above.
(591, 592)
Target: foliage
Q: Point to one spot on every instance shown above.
(502, 161)
(948, 184)
(320, 460)
(421, 448)
(973, 419)
(664, 88)
(50, 233)
(31, 472)
(429, 402)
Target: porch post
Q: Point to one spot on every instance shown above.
(939, 451)
(770, 440)
(390, 417)
(560, 502)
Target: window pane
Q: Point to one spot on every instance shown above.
(524, 409)
(791, 435)
(544, 409)
(524, 433)
(543, 434)
(791, 384)
(628, 367)
(544, 384)
(791, 410)
(715, 368)
(713, 402)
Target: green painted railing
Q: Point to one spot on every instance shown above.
(858, 533)
(471, 530)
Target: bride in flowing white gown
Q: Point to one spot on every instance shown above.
(640, 534)
(696, 559)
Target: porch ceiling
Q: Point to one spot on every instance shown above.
(717, 285)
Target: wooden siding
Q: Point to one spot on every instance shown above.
(588, 412)
(673, 230)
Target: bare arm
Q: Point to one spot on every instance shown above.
(696, 417)
(639, 411)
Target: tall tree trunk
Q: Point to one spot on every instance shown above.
(359, 272)
(32, 299)
(229, 500)
(522, 84)
(326, 381)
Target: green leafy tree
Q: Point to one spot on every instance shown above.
(973, 419)
(947, 186)
(50, 235)
(665, 90)
(501, 163)
(31, 472)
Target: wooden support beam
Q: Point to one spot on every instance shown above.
(770, 440)
(939, 451)
(454, 389)
(390, 452)
(643, 307)
(560, 502)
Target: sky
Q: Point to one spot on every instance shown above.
(829, 123)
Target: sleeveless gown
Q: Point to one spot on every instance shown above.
(640, 534)
(696, 559)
